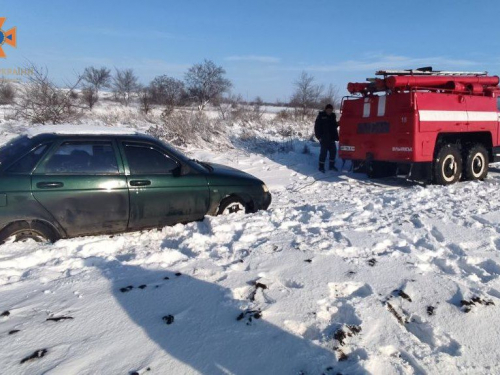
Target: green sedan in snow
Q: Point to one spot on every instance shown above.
(67, 181)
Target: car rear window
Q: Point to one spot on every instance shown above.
(26, 164)
(83, 158)
(14, 149)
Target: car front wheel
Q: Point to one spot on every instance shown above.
(232, 205)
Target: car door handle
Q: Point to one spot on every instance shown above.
(140, 183)
(49, 185)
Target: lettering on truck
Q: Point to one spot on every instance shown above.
(379, 127)
(402, 149)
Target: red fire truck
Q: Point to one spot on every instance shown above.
(435, 126)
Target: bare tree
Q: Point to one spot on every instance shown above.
(145, 99)
(330, 96)
(167, 91)
(94, 80)
(41, 101)
(89, 97)
(225, 105)
(206, 82)
(307, 94)
(125, 85)
(7, 92)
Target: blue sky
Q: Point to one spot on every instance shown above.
(263, 45)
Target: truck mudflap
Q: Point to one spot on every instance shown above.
(421, 172)
(496, 154)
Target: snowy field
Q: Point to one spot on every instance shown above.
(341, 275)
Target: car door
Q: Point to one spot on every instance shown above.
(82, 183)
(159, 194)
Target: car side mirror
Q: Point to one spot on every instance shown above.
(180, 170)
(185, 169)
(177, 172)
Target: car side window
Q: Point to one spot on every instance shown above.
(26, 164)
(83, 158)
(144, 159)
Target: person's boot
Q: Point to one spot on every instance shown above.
(322, 167)
(332, 166)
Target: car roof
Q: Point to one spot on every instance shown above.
(79, 130)
(62, 131)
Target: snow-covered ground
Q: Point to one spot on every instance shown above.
(340, 275)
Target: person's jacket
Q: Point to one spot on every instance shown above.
(325, 128)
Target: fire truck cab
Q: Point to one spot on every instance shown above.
(438, 127)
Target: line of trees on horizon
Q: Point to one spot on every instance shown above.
(39, 100)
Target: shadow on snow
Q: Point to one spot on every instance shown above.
(206, 334)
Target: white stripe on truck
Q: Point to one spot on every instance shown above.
(462, 116)
(381, 105)
(366, 108)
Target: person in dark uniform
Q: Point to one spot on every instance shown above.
(325, 129)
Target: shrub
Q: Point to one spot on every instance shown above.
(41, 101)
(181, 128)
(7, 92)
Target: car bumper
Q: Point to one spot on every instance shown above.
(265, 202)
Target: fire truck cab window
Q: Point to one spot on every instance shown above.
(498, 104)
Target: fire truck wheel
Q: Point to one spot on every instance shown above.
(447, 165)
(476, 163)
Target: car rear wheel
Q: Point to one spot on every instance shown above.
(232, 205)
(22, 231)
(476, 163)
(448, 165)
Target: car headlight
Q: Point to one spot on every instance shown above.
(265, 188)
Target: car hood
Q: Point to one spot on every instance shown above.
(230, 175)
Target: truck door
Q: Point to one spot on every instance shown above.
(482, 115)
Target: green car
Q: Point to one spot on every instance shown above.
(67, 181)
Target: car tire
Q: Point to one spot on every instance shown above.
(476, 163)
(447, 165)
(22, 230)
(232, 205)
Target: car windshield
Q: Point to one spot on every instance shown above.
(174, 151)
(16, 147)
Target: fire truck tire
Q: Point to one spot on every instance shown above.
(380, 169)
(447, 165)
(476, 163)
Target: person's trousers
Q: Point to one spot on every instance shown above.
(331, 149)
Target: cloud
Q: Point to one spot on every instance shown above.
(256, 58)
(377, 62)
